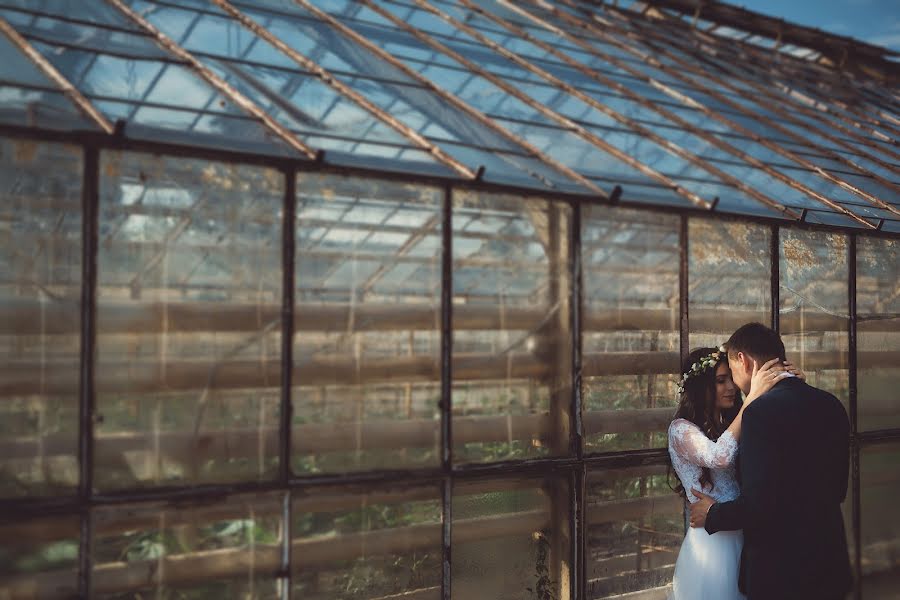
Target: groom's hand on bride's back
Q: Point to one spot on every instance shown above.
(700, 508)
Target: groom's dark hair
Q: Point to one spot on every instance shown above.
(756, 340)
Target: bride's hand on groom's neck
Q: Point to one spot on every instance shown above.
(764, 378)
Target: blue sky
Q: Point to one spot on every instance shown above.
(873, 21)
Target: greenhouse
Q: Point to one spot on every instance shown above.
(387, 299)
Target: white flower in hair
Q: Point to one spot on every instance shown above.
(705, 362)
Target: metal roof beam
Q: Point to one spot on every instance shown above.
(346, 91)
(244, 103)
(480, 117)
(596, 76)
(666, 145)
(687, 100)
(69, 90)
(568, 124)
(651, 31)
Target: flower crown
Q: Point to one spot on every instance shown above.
(705, 362)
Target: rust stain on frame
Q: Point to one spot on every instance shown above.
(217, 82)
(307, 63)
(83, 104)
(531, 150)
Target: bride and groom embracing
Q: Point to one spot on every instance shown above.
(765, 478)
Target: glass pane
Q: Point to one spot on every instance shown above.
(635, 525)
(357, 544)
(630, 326)
(729, 278)
(814, 307)
(512, 339)
(228, 549)
(188, 321)
(878, 333)
(127, 76)
(367, 348)
(511, 539)
(40, 303)
(880, 535)
(39, 558)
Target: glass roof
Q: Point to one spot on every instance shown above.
(563, 95)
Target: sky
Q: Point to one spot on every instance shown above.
(873, 21)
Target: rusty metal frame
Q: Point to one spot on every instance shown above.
(66, 87)
(567, 123)
(651, 31)
(595, 75)
(687, 66)
(219, 84)
(530, 150)
(687, 100)
(815, 58)
(309, 64)
(856, 125)
(574, 466)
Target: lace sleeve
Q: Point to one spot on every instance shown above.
(690, 443)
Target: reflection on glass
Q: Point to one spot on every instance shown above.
(188, 321)
(367, 322)
(815, 307)
(729, 278)
(635, 525)
(40, 302)
(878, 333)
(510, 539)
(630, 326)
(512, 339)
(358, 545)
(228, 549)
(880, 535)
(39, 558)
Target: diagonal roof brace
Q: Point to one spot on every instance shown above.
(82, 103)
(566, 122)
(713, 114)
(647, 133)
(247, 105)
(310, 65)
(457, 102)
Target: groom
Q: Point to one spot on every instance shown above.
(793, 466)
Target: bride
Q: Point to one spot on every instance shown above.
(703, 444)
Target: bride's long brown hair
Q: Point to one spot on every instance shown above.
(698, 405)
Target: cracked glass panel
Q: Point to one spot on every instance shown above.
(635, 524)
(815, 307)
(368, 320)
(877, 333)
(511, 539)
(512, 334)
(40, 328)
(188, 321)
(227, 549)
(630, 326)
(362, 544)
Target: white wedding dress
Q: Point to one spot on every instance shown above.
(707, 565)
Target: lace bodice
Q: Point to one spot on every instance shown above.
(691, 450)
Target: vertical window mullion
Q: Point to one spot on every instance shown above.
(775, 292)
(684, 322)
(446, 388)
(854, 439)
(577, 523)
(89, 205)
(289, 228)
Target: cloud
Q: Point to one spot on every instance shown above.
(888, 40)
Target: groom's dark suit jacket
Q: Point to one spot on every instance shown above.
(793, 466)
